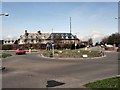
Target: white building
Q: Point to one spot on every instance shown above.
(33, 38)
(9, 41)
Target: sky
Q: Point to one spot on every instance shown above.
(88, 19)
(59, 0)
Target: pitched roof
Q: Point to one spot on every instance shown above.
(36, 35)
(62, 36)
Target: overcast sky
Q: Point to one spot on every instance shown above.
(89, 19)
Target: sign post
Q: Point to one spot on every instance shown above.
(75, 46)
(53, 48)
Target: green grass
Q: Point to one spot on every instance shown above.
(74, 52)
(4, 55)
(105, 83)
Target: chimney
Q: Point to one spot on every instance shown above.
(39, 32)
(26, 33)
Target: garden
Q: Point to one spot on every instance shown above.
(73, 54)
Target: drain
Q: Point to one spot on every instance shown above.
(53, 83)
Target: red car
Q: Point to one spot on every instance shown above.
(20, 51)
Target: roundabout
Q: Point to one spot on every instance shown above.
(33, 71)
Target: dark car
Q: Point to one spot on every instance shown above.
(118, 50)
(20, 51)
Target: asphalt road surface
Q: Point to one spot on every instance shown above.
(33, 71)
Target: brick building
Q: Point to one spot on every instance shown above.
(38, 40)
(62, 40)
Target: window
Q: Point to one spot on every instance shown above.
(8, 41)
(66, 36)
(32, 40)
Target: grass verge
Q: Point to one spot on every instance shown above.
(4, 55)
(105, 83)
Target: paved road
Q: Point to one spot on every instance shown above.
(33, 71)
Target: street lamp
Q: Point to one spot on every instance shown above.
(4, 14)
(118, 18)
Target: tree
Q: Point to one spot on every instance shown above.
(104, 40)
(112, 39)
(90, 42)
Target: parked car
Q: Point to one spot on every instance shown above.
(20, 51)
(118, 50)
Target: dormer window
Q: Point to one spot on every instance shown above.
(8, 41)
(71, 37)
(66, 36)
(62, 36)
(52, 36)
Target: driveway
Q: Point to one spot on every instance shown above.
(33, 71)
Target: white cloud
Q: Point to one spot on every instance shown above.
(95, 35)
(9, 37)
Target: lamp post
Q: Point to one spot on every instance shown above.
(3, 14)
(75, 42)
(118, 75)
(117, 18)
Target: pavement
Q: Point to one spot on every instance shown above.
(33, 71)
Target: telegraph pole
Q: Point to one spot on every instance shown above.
(52, 30)
(53, 43)
(70, 25)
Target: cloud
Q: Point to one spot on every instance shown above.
(95, 35)
(9, 37)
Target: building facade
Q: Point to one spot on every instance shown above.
(63, 40)
(39, 40)
(35, 40)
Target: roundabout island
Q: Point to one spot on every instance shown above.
(76, 54)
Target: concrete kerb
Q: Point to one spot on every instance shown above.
(110, 51)
(72, 58)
